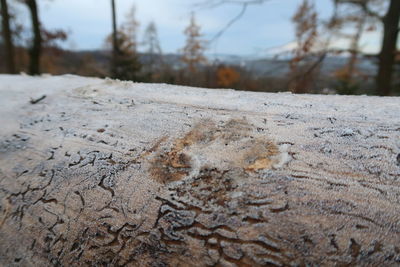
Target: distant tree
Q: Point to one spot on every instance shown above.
(36, 47)
(42, 44)
(152, 50)
(193, 51)
(125, 63)
(389, 20)
(150, 39)
(7, 37)
(115, 48)
(389, 47)
(128, 65)
(130, 27)
(370, 9)
(305, 21)
(350, 18)
(349, 24)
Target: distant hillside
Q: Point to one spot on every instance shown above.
(279, 67)
(259, 67)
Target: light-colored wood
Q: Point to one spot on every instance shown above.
(109, 173)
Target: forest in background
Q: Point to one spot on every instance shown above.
(313, 66)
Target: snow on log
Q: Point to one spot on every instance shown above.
(106, 173)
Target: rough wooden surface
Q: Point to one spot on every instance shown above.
(107, 173)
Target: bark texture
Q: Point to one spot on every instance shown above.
(108, 173)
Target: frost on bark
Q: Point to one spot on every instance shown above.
(107, 173)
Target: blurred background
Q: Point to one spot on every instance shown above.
(303, 46)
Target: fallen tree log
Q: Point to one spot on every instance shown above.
(107, 173)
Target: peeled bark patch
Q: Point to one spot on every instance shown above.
(230, 145)
(195, 177)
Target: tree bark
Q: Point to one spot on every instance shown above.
(389, 47)
(9, 47)
(36, 47)
(104, 173)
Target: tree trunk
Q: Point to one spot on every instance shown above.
(388, 50)
(36, 48)
(104, 173)
(115, 50)
(9, 47)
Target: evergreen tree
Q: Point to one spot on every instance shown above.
(125, 61)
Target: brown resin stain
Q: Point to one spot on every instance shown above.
(231, 145)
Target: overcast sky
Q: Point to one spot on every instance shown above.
(262, 26)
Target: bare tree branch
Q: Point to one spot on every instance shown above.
(230, 23)
(209, 4)
(216, 3)
(363, 4)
